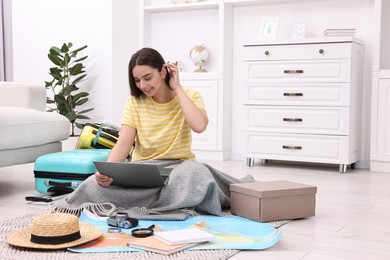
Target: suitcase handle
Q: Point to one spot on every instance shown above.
(97, 134)
(42, 198)
(108, 128)
(100, 133)
(52, 194)
(112, 139)
(61, 184)
(38, 199)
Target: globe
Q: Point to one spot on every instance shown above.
(200, 55)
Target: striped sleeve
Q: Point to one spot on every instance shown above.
(127, 118)
(195, 96)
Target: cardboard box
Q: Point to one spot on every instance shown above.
(273, 200)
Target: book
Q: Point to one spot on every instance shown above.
(188, 235)
(340, 32)
(152, 244)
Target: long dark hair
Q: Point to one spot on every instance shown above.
(145, 56)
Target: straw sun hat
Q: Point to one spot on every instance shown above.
(54, 231)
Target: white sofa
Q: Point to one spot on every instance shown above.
(26, 130)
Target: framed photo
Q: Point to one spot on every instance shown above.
(269, 28)
(298, 31)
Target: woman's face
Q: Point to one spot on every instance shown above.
(148, 79)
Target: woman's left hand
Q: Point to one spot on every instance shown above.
(173, 71)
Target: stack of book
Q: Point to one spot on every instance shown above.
(340, 32)
(169, 242)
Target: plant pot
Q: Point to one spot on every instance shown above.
(70, 143)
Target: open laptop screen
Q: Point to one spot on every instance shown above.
(134, 174)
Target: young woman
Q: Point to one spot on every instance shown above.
(159, 114)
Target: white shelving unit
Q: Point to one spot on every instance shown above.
(380, 110)
(174, 40)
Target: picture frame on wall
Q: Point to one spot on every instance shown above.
(298, 30)
(269, 28)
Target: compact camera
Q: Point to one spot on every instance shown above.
(122, 220)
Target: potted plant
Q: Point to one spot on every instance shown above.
(66, 74)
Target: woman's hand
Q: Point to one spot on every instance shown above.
(119, 152)
(195, 117)
(173, 71)
(103, 180)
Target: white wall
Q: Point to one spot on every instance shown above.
(40, 24)
(125, 43)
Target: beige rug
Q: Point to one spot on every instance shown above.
(8, 252)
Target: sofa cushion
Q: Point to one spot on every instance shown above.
(23, 127)
(23, 95)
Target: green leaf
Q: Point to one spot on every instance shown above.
(80, 95)
(55, 54)
(79, 126)
(74, 52)
(66, 59)
(55, 50)
(81, 101)
(59, 82)
(76, 69)
(64, 48)
(56, 73)
(81, 59)
(48, 84)
(59, 99)
(82, 117)
(68, 109)
(57, 61)
(58, 78)
(85, 111)
(61, 109)
(79, 79)
(67, 90)
(74, 88)
(71, 116)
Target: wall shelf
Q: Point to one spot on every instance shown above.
(384, 74)
(180, 7)
(327, 39)
(199, 76)
(260, 2)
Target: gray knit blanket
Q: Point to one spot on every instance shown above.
(192, 188)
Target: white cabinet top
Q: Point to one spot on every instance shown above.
(327, 39)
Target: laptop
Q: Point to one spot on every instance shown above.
(134, 174)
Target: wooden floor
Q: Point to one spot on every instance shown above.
(352, 213)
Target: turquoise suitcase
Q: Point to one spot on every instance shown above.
(63, 172)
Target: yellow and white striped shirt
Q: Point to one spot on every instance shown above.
(162, 130)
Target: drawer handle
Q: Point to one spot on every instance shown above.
(292, 119)
(266, 52)
(292, 147)
(293, 94)
(293, 71)
(321, 51)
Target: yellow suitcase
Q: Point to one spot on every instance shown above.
(98, 136)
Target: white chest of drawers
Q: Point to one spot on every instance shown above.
(301, 101)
